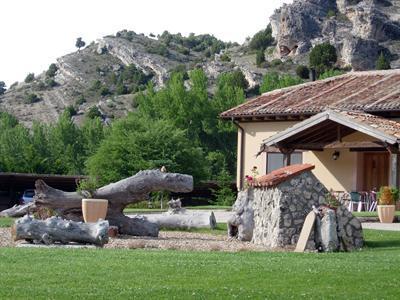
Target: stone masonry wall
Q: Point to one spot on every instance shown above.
(279, 212)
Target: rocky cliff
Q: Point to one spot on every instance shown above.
(359, 29)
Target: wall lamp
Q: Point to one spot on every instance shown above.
(335, 155)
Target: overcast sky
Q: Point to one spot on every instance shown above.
(35, 33)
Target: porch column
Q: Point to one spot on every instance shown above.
(394, 170)
(286, 156)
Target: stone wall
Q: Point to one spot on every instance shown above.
(273, 216)
(279, 212)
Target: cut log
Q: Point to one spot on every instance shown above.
(119, 194)
(184, 220)
(18, 210)
(56, 229)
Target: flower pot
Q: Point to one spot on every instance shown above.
(386, 213)
(94, 209)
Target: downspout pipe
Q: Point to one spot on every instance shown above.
(241, 158)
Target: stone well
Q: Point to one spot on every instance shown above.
(272, 211)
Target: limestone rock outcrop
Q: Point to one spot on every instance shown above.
(359, 29)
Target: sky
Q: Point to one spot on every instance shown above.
(35, 33)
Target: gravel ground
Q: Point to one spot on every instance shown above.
(174, 240)
(5, 238)
(179, 240)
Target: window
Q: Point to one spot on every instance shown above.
(275, 160)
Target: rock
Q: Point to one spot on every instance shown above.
(328, 233)
(360, 30)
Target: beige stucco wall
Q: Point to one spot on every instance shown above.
(340, 175)
(254, 134)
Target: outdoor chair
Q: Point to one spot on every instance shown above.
(373, 201)
(358, 199)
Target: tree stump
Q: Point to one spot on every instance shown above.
(56, 229)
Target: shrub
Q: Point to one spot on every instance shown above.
(260, 57)
(225, 57)
(331, 13)
(2, 87)
(30, 77)
(330, 73)
(262, 39)
(104, 91)
(93, 112)
(70, 109)
(273, 81)
(80, 100)
(276, 62)
(31, 98)
(50, 82)
(323, 57)
(96, 85)
(303, 72)
(383, 62)
(51, 72)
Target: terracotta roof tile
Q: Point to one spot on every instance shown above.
(368, 91)
(283, 174)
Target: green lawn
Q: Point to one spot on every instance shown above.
(159, 274)
(6, 222)
(369, 213)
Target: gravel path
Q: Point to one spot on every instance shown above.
(5, 238)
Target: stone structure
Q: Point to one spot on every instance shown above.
(272, 211)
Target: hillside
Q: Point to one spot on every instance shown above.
(103, 77)
(108, 72)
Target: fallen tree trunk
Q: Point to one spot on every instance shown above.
(184, 220)
(119, 194)
(18, 210)
(56, 229)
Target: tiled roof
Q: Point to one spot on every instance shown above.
(387, 126)
(283, 174)
(370, 91)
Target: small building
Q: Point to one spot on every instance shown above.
(347, 126)
(272, 211)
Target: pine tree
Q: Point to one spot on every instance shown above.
(383, 62)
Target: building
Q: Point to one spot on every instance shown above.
(347, 126)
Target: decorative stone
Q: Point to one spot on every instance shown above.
(307, 194)
(328, 233)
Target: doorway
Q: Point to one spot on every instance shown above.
(376, 170)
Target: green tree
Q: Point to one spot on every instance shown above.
(273, 81)
(260, 57)
(93, 112)
(262, 39)
(224, 194)
(323, 57)
(330, 73)
(30, 77)
(79, 43)
(2, 87)
(136, 143)
(51, 72)
(303, 71)
(383, 63)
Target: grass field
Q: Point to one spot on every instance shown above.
(156, 274)
(370, 213)
(6, 222)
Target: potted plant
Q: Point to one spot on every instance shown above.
(92, 209)
(387, 197)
